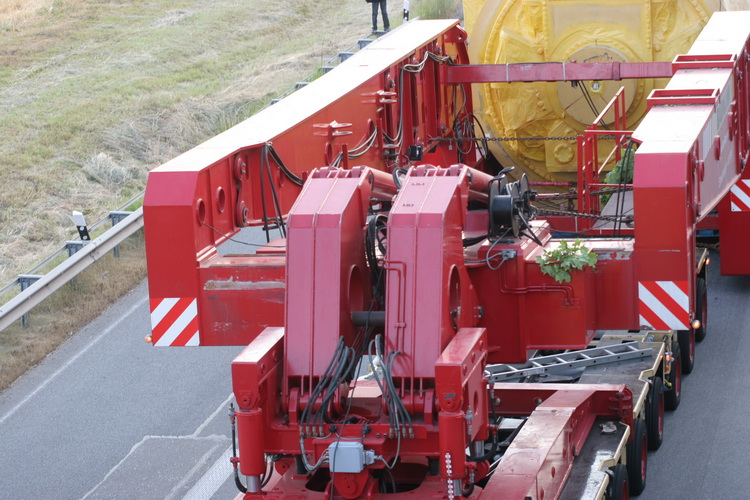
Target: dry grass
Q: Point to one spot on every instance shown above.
(15, 13)
(95, 93)
(437, 9)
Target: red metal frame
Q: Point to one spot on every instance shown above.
(589, 170)
(556, 72)
(448, 309)
(200, 199)
(539, 460)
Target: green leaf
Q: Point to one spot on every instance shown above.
(559, 262)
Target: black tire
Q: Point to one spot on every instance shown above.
(618, 488)
(674, 393)
(655, 414)
(637, 455)
(686, 338)
(701, 307)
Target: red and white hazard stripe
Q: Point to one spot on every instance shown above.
(664, 305)
(739, 196)
(174, 322)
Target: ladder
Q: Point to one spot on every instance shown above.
(556, 363)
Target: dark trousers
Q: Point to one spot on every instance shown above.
(384, 11)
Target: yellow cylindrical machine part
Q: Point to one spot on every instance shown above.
(514, 31)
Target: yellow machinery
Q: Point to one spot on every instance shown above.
(513, 31)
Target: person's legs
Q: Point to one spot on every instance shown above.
(375, 15)
(384, 11)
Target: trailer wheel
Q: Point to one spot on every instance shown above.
(673, 395)
(655, 414)
(686, 338)
(637, 454)
(701, 307)
(618, 484)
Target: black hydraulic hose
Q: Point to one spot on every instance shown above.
(466, 493)
(485, 145)
(405, 417)
(324, 384)
(274, 196)
(377, 378)
(237, 480)
(495, 444)
(352, 356)
(397, 172)
(371, 239)
(333, 385)
(319, 387)
(487, 456)
(392, 410)
(267, 477)
(263, 198)
(291, 175)
(467, 242)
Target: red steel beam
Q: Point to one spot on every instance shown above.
(538, 462)
(555, 72)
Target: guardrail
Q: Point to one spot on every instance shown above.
(70, 268)
(36, 287)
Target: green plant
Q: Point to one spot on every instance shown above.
(621, 174)
(561, 261)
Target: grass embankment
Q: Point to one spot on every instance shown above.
(95, 93)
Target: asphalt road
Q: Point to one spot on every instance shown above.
(109, 417)
(707, 439)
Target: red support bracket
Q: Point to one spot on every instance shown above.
(252, 368)
(540, 458)
(703, 61)
(675, 97)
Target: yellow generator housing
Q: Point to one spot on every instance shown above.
(514, 31)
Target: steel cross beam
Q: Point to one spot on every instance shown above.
(555, 72)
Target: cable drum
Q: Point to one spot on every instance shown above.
(516, 31)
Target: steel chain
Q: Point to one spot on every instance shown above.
(519, 139)
(538, 138)
(612, 218)
(574, 195)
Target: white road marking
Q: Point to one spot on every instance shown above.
(139, 444)
(207, 485)
(72, 360)
(211, 481)
(222, 406)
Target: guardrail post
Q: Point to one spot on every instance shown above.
(116, 217)
(73, 246)
(26, 280)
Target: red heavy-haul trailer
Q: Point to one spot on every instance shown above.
(405, 334)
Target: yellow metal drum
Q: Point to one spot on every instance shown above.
(510, 31)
